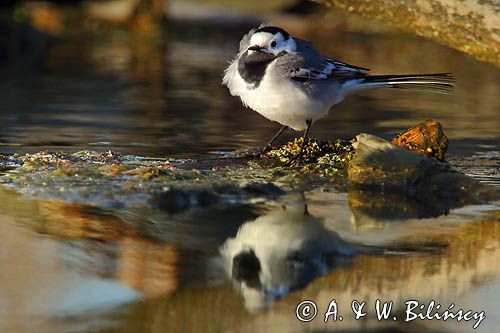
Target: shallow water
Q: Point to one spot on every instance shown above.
(74, 268)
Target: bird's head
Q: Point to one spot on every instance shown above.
(271, 40)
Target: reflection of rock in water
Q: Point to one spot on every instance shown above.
(287, 249)
(102, 244)
(74, 221)
(152, 269)
(372, 207)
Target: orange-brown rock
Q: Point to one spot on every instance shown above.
(426, 138)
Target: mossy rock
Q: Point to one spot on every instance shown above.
(318, 155)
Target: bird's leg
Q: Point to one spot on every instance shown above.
(298, 157)
(270, 143)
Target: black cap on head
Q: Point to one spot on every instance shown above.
(274, 30)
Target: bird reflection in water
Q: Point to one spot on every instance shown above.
(288, 248)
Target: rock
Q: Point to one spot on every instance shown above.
(335, 154)
(380, 165)
(426, 138)
(470, 26)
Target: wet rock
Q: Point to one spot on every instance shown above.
(380, 165)
(334, 154)
(426, 138)
(471, 25)
(322, 162)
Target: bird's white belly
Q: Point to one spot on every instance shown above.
(283, 101)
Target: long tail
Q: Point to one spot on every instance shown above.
(439, 82)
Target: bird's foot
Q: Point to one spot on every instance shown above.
(264, 150)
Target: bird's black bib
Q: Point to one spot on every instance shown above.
(252, 67)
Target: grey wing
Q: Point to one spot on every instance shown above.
(307, 64)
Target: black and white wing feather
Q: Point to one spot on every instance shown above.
(307, 64)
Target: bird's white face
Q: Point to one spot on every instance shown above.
(271, 43)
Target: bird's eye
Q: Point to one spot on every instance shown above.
(273, 43)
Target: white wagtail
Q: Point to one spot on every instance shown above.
(286, 80)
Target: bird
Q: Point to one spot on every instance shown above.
(287, 81)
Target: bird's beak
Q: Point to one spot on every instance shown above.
(256, 48)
